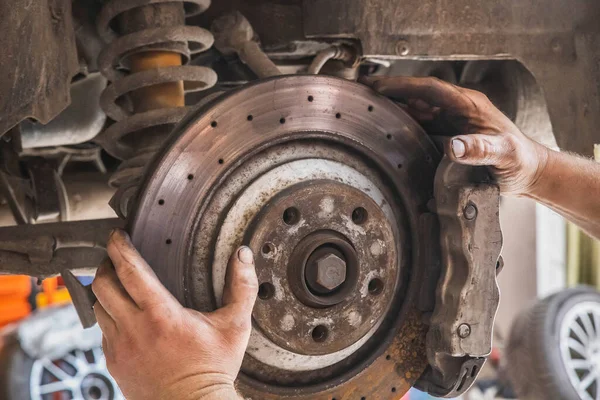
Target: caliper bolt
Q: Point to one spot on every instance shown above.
(464, 330)
(331, 271)
(470, 212)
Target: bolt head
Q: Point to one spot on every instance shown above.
(470, 212)
(464, 330)
(331, 271)
(402, 48)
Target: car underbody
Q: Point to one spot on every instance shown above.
(241, 122)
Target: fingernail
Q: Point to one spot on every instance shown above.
(245, 255)
(458, 148)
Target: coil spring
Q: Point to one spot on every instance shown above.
(138, 133)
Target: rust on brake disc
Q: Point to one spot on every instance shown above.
(303, 316)
(328, 183)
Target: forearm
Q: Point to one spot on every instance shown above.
(571, 186)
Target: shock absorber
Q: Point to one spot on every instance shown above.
(145, 61)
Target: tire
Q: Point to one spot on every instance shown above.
(15, 372)
(537, 366)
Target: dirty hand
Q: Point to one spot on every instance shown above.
(157, 349)
(485, 135)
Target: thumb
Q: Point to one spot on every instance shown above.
(241, 283)
(480, 149)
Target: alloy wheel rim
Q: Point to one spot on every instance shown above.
(79, 375)
(580, 348)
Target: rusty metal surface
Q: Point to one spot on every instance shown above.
(39, 59)
(194, 203)
(467, 204)
(40, 196)
(557, 41)
(389, 376)
(47, 201)
(48, 249)
(234, 35)
(88, 194)
(280, 34)
(83, 298)
(324, 222)
(78, 123)
(14, 189)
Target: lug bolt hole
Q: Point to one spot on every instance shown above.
(266, 291)
(268, 248)
(359, 215)
(291, 216)
(320, 333)
(375, 286)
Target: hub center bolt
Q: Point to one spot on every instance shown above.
(325, 270)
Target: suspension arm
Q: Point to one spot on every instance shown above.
(49, 249)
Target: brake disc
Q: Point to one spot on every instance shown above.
(328, 183)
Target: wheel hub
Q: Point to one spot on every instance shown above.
(322, 240)
(326, 182)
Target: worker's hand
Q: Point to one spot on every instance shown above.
(485, 135)
(157, 349)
